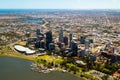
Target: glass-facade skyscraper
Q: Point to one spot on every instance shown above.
(61, 35)
(48, 39)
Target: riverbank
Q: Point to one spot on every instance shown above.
(31, 58)
(21, 57)
(20, 70)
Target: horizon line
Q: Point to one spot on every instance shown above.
(60, 9)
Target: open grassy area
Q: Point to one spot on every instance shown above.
(58, 60)
(46, 57)
(50, 59)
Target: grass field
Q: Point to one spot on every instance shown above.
(50, 58)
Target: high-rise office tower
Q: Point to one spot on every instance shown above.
(82, 39)
(74, 47)
(51, 46)
(42, 44)
(87, 44)
(71, 38)
(65, 40)
(48, 39)
(61, 35)
(39, 34)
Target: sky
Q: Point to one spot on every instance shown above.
(59, 4)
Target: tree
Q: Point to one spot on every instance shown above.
(105, 77)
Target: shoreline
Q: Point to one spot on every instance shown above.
(15, 56)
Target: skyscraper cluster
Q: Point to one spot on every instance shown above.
(66, 44)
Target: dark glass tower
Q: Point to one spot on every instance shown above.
(51, 46)
(48, 39)
(74, 48)
(82, 39)
(65, 40)
(37, 32)
(71, 38)
(61, 35)
(42, 44)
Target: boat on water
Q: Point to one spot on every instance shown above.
(33, 65)
(64, 71)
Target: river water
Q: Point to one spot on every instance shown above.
(19, 69)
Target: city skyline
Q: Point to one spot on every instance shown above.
(60, 4)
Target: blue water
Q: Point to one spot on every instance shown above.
(51, 10)
(26, 10)
(19, 10)
(39, 21)
(19, 69)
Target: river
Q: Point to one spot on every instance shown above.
(19, 69)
